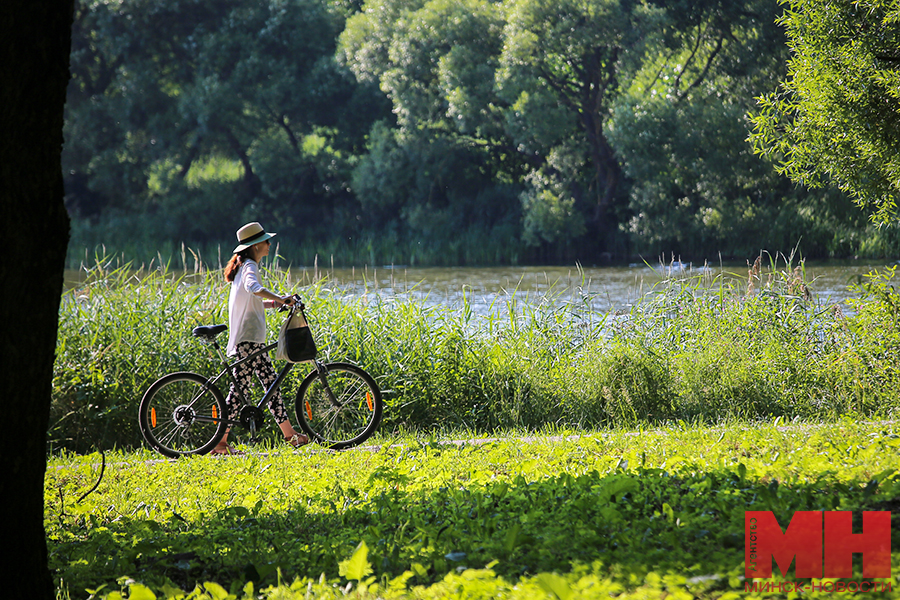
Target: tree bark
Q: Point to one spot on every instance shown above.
(34, 71)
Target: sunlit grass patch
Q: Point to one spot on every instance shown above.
(638, 511)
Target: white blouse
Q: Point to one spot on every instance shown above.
(246, 314)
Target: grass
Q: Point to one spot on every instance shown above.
(627, 513)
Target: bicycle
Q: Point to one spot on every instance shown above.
(338, 405)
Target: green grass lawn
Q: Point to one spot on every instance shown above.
(627, 514)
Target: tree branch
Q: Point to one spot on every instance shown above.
(690, 58)
(709, 61)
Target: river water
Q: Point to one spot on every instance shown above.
(604, 289)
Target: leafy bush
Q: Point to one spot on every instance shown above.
(868, 367)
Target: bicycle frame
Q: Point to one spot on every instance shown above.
(279, 379)
(229, 369)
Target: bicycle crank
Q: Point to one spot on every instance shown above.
(252, 418)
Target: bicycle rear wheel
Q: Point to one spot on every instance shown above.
(182, 413)
(339, 405)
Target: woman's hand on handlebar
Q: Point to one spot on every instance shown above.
(284, 302)
(291, 300)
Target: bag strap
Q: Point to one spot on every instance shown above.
(297, 306)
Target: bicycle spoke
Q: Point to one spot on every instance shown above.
(343, 413)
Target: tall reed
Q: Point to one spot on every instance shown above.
(695, 348)
(118, 330)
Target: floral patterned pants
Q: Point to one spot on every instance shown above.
(262, 366)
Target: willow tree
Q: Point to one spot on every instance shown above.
(530, 81)
(569, 61)
(439, 172)
(836, 116)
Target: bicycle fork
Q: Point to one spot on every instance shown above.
(322, 371)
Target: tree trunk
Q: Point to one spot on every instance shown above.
(34, 71)
(252, 186)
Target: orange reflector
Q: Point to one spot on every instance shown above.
(152, 417)
(309, 410)
(215, 411)
(369, 400)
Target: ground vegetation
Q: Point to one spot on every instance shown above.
(695, 348)
(616, 512)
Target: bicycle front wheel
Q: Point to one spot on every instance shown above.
(339, 405)
(182, 413)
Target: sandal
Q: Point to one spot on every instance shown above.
(223, 449)
(297, 440)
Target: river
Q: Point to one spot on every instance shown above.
(604, 288)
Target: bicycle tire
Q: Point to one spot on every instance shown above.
(181, 414)
(352, 419)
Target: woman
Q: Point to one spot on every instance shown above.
(247, 329)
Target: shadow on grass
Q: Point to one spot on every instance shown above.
(689, 523)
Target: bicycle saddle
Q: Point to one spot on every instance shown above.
(208, 331)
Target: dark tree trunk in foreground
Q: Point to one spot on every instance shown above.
(34, 71)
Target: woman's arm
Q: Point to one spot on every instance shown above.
(277, 301)
(271, 300)
(253, 285)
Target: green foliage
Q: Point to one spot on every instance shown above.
(250, 86)
(116, 331)
(629, 513)
(877, 333)
(550, 213)
(428, 196)
(434, 132)
(441, 176)
(562, 66)
(834, 118)
(434, 60)
(680, 134)
(674, 200)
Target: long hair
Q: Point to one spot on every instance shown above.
(235, 263)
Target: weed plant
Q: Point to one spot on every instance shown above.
(694, 349)
(625, 514)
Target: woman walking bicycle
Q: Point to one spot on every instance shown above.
(337, 404)
(247, 302)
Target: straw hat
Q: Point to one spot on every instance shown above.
(249, 234)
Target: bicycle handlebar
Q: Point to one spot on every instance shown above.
(298, 303)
